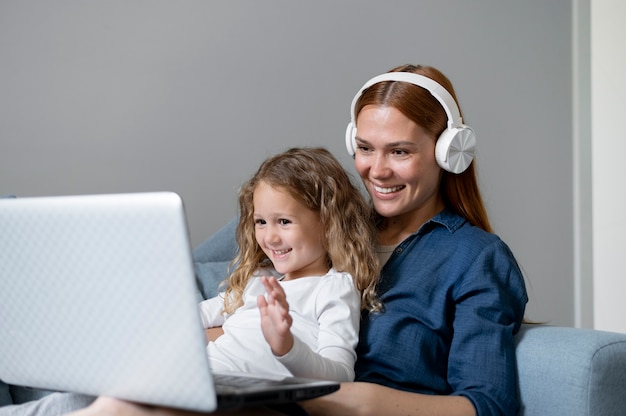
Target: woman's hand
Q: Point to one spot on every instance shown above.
(351, 399)
(368, 399)
(275, 318)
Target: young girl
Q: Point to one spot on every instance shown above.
(306, 266)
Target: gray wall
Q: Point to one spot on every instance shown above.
(190, 96)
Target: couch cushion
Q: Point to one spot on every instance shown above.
(212, 259)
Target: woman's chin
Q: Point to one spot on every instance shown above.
(386, 209)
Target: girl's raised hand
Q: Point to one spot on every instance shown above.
(275, 318)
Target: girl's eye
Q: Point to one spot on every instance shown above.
(259, 222)
(283, 221)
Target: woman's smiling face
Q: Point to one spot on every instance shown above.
(395, 158)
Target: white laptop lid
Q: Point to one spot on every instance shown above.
(63, 263)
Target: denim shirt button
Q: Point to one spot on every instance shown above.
(399, 250)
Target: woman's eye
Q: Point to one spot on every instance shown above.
(399, 152)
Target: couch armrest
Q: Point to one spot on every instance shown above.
(569, 371)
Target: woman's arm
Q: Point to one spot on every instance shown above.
(489, 307)
(105, 406)
(353, 399)
(368, 399)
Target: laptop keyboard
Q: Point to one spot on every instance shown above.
(229, 380)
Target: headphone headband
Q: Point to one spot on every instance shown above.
(436, 90)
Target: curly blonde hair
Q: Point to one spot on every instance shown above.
(313, 177)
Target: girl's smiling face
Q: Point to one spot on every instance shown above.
(289, 233)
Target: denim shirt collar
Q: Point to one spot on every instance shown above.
(447, 218)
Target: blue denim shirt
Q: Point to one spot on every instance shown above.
(453, 298)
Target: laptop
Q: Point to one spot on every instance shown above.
(98, 296)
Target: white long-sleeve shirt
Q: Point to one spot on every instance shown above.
(325, 311)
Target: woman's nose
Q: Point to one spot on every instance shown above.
(380, 167)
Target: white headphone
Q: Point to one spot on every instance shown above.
(455, 147)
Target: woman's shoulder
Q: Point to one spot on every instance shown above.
(476, 234)
(461, 236)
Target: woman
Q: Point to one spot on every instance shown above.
(452, 294)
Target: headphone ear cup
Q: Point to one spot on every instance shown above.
(351, 139)
(455, 149)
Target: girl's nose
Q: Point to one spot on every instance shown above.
(272, 236)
